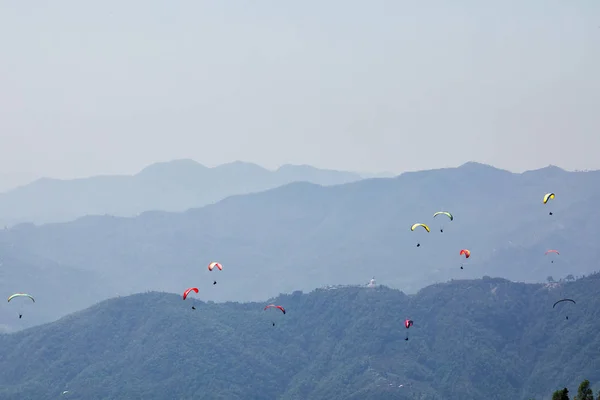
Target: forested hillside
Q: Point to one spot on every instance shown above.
(471, 339)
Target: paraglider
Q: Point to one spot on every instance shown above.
(212, 266)
(407, 324)
(274, 306)
(187, 292)
(20, 295)
(415, 226)
(466, 253)
(552, 251)
(547, 197)
(447, 214)
(563, 300)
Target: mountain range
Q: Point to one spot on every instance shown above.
(471, 339)
(167, 186)
(304, 236)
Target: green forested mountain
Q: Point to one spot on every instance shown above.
(471, 339)
(304, 236)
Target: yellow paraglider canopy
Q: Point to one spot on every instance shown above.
(415, 226)
(446, 213)
(21, 295)
(548, 196)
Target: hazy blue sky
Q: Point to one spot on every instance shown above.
(111, 86)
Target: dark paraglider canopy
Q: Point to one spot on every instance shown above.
(560, 301)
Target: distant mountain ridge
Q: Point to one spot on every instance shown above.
(166, 186)
(302, 235)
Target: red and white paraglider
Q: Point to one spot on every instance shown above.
(280, 308)
(407, 324)
(187, 292)
(214, 265)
